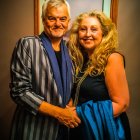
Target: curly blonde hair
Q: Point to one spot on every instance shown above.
(108, 45)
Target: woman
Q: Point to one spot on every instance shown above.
(101, 90)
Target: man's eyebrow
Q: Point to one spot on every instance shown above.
(64, 17)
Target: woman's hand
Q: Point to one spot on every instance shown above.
(70, 103)
(69, 117)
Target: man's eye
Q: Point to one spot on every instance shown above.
(51, 18)
(63, 19)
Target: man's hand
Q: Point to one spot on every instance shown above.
(66, 116)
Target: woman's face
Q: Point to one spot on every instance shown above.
(90, 34)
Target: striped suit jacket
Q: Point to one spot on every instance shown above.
(32, 82)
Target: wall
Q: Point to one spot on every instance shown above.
(16, 20)
(129, 36)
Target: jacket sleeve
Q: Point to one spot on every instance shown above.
(21, 89)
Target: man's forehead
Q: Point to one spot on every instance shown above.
(60, 11)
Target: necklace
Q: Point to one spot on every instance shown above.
(78, 89)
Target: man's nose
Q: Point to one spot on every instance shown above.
(58, 22)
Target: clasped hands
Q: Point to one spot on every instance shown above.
(69, 117)
(66, 116)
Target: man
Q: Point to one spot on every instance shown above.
(41, 80)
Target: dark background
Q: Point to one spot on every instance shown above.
(17, 20)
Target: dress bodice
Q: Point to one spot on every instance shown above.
(93, 88)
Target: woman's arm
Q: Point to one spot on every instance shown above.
(116, 83)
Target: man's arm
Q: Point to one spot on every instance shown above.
(21, 78)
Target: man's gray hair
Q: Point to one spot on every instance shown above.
(54, 3)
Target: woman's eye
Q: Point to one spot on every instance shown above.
(82, 29)
(93, 29)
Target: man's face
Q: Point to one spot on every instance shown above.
(56, 22)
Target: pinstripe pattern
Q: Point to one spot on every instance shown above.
(31, 83)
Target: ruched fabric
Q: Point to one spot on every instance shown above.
(98, 122)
